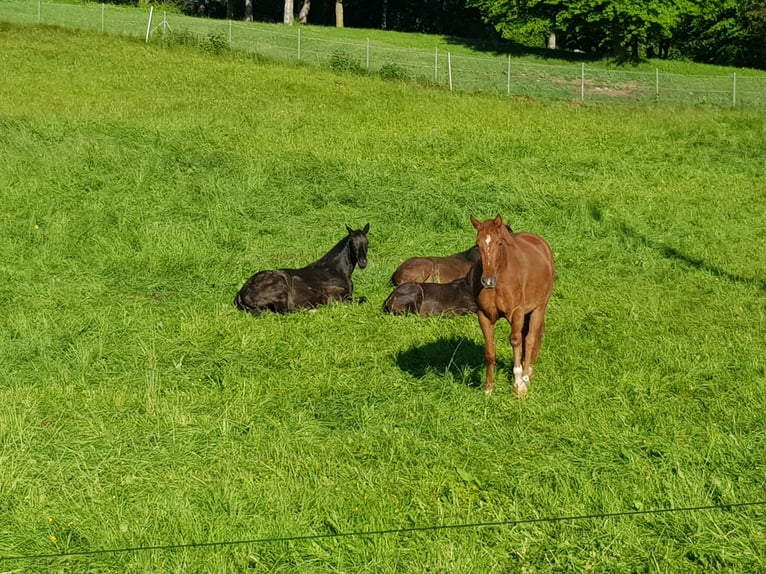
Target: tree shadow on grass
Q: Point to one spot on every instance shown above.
(487, 40)
(670, 252)
(497, 46)
(460, 356)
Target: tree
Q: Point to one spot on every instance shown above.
(726, 32)
(753, 52)
(618, 27)
(529, 22)
(623, 28)
(339, 13)
(303, 15)
(288, 15)
(384, 15)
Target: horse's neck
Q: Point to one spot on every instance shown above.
(504, 256)
(338, 258)
(471, 254)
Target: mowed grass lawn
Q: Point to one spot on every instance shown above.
(141, 186)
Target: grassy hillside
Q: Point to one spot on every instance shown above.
(458, 64)
(141, 186)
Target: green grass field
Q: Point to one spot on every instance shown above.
(141, 186)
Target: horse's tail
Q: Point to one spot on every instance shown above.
(405, 298)
(241, 304)
(387, 304)
(266, 291)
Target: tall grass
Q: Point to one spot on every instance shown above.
(141, 186)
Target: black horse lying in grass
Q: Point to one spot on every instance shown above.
(453, 298)
(324, 281)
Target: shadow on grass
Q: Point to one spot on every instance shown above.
(462, 357)
(693, 262)
(500, 47)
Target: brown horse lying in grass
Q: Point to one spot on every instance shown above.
(436, 269)
(453, 298)
(516, 282)
(326, 280)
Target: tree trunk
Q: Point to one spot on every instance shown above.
(303, 15)
(338, 14)
(287, 17)
(664, 48)
(552, 41)
(384, 16)
(249, 10)
(620, 52)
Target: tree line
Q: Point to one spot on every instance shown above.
(725, 32)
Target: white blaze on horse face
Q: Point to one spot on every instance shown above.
(487, 240)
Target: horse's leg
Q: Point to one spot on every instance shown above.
(517, 344)
(524, 333)
(533, 340)
(488, 329)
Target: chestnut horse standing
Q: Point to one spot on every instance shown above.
(517, 274)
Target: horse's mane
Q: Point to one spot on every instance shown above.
(506, 233)
(471, 254)
(333, 254)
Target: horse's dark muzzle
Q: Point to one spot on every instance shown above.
(362, 263)
(489, 282)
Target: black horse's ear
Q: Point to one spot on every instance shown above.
(349, 229)
(366, 229)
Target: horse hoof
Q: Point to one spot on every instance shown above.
(488, 390)
(520, 390)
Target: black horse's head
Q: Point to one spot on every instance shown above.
(357, 240)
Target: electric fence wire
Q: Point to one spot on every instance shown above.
(383, 532)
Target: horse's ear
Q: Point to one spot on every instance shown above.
(366, 229)
(498, 220)
(505, 232)
(475, 222)
(348, 229)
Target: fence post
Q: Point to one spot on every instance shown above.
(39, 11)
(149, 23)
(102, 17)
(449, 70)
(734, 91)
(582, 82)
(436, 65)
(508, 87)
(656, 85)
(230, 43)
(299, 43)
